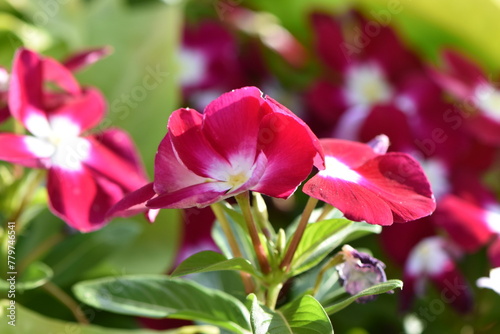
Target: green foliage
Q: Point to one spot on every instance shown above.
(373, 290)
(160, 297)
(323, 237)
(302, 316)
(34, 276)
(212, 261)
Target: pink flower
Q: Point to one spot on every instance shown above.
(243, 141)
(87, 174)
(366, 184)
(434, 259)
(480, 98)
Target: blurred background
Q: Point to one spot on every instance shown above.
(172, 53)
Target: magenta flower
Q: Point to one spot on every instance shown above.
(480, 98)
(434, 259)
(243, 141)
(87, 174)
(367, 185)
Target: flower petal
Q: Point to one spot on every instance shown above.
(113, 167)
(25, 90)
(231, 122)
(170, 173)
(285, 142)
(25, 150)
(80, 197)
(494, 253)
(133, 203)
(85, 110)
(191, 145)
(85, 58)
(330, 44)
(198, 195)
(465, 222)
(55, 72)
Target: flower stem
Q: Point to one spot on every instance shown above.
(297, 236)
(243, 200)
(336, 260)
(66, 299)
(327, 208)
(233, 244)
(272, 295)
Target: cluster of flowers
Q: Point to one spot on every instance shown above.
(447, 118)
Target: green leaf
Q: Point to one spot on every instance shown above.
(28, 321)
(81, 252)
(321, 238)
(35, 275)
(158, 296)
(373, 290)
(212, 261)
(302, 316)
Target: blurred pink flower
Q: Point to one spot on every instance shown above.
(478, 96)
(87, 174)
(368, 185)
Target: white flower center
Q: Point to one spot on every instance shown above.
(487, 98)
(336, 169)
(366, 85)
(192, 66)
(59, 140)
(428, 257)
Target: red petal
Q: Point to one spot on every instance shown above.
(198, 195)
(85, 58)
(231, 122)
(24, 150)
(454, 289)
(86, 109)
(170, 173)
(352, 154)
(330, 44)
(25, 90)
(401, 182)
(112, 166)
(119, 142)
(79, 198)
(133, 203)
(463, 69)
(464, 222)
(285, 142)
(55, 72)
(191, 145)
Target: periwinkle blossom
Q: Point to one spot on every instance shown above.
(367, 184)
(243, 141)
(372, 82)
(87, 174)
(478, 93)
(434, 259)
(359, 271)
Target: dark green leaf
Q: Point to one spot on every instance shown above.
(302, 316)
(373, 290)
(35, 275)
(212, 261)
(158, 296)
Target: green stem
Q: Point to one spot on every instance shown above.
(327, 208)
(272, 295)
(243, 200)
(337, 259)
(233, 244)
(66, 299)
(297, 236)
